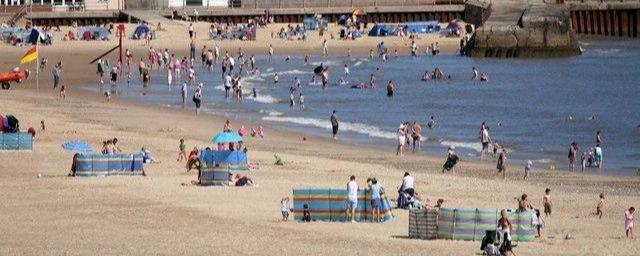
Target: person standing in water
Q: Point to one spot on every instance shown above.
(270, 53)
(402, 139)
(334, 124)
(192, 48)
(197, 99)
(474, 75)
(292, 99)
(390, 89)
(484, 139)
(301, 101)
(416, 129)
(372, 81)
(185, 94)
(598, 137)
(346, 70)
(573, 151)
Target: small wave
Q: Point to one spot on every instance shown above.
(264, 98)
(271, 113)
(544, 161)
(287, 72)
(357, 63)
(365, 129)
(269, 69)
(607, 51)
(326, 63)
(476, 146)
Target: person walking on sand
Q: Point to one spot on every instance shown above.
(546, 202)
(502, 163)
(402, 139)
(600, 206)
(352, 199)
(334, 125)
(56, 75)
(325, 48)
(416, 131)
(182, 154)
(573, 151)
(191, 32)
(628, 222)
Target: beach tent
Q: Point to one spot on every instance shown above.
(311, 23)
(34, 36)
(92, 33)
(382, 30)
(355, 34)
(422, 27)
(342, 20)
(454, 26)
(141, 31)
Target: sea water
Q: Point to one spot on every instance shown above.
(534, 107)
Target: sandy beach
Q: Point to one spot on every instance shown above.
(163, 214)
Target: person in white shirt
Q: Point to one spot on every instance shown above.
(227, 85)
(232, 63)
(346, 70)
(352, 199)
(408, 184)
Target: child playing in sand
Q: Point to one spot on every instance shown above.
(540, 224)
(63, 93)
(546, 202)
(182, 154)
(600, 207)
(306, 215)
(285, 208)
(628, 222)
(279, 160)
(527, 168)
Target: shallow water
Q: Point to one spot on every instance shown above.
(542, 104)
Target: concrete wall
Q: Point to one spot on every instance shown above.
(268, 4)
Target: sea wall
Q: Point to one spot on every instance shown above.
(542, 30)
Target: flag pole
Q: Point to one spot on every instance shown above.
(38, 63)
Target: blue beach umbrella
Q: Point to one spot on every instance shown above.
(78, 146)
(226, 137)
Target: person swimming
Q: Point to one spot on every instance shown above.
(484, 77)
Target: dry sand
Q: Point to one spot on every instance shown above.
(157, 215)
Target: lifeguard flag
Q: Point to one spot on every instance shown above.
(30, 56)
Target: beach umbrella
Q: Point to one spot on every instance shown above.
(78, 146)
(226, 137)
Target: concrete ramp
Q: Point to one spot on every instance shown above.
(150, 17)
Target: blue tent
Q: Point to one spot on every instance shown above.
(34, 36)
(141, 32)
(422, 27)
(310, 23)
(382, 30)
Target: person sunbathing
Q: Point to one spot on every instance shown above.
(239, 181)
